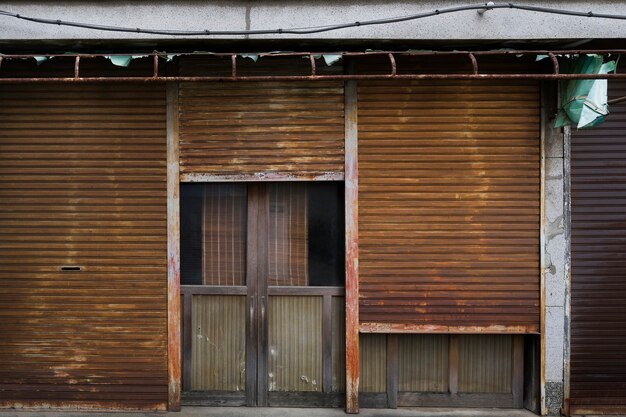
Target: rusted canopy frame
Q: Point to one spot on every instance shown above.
(393, 74)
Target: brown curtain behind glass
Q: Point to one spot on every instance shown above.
(288, 235)
(224, 220)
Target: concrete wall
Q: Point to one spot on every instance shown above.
(232, 15)
(554, 255)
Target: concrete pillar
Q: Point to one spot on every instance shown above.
(554, 259)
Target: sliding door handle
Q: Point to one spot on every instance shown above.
(263, 309)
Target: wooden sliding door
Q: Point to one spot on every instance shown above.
(262, 274)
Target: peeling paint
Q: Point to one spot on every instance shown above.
(554, 228)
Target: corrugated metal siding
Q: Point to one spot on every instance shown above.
(485, 363)
(295, 343)
(83, 182)
(338, 317)
(372, 363)
(218, 344)
(598, 315)
(274, 127)
(423, 363)
(449, 184)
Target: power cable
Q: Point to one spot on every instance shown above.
(317, 29)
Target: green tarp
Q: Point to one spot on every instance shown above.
(584, 102)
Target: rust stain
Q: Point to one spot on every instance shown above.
(352, 251)
(173, 251)
(371, 327)
(262, 176)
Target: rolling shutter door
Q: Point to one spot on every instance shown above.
(245, 130)
(83, 183)
(449, 206)
(598, 312)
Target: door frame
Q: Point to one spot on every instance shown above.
(257, 292)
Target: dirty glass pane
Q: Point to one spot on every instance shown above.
(306, 234)
(213, 234)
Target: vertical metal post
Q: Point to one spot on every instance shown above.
(252, 322)
(77, 67)
(392, 370)
(517, 371)
(352, 248)
(262, 295)
(567, 234)
(542, 255)
(173, 251)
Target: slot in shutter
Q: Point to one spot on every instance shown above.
(449, 206)
(83, 268)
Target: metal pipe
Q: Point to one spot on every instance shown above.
(556, 75)
(393, 64)
(555, 62)
(155, 63)
(474, 63)
(312, 60)
(13, 80)
(345, 53)
(77, 68)
(617, 100)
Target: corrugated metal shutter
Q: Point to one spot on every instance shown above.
(449, 204)
(241, 129)
(598, 311)
(250, 130)
(83, 183)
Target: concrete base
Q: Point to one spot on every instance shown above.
(554, 398)
(289, 412)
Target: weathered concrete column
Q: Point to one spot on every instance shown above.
(554, 258)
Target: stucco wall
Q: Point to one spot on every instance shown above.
(225, 15)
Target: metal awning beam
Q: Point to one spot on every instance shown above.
(314, 76)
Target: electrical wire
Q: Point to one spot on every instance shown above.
(316, 29)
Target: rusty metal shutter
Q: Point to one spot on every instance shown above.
(449, 206)
(238, 130)
(598, 239)
(260, 130)
(83, 184)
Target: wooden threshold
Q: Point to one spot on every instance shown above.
(214, 398)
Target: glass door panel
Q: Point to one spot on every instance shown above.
(213, 235)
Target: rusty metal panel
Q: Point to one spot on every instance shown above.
(83, 238)
(423, 363)
(598, 238)
(485, 363)
(295, 343)
(372, 363)
(260, 130)
(449, 203)
(218, 359)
